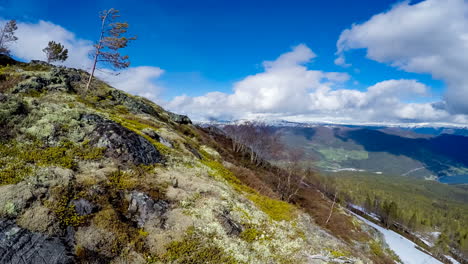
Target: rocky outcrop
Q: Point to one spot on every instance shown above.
(132, 103)
(181, 119)
(142, 208)
(121, 143)
(20, 246)
(57, 79)
(154, 135)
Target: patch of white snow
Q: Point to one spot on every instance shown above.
(403, 247)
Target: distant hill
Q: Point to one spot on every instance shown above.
(389, 150)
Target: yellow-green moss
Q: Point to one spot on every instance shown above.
(142, 233)
(251, 234)
(108, 219)
(376, 249)
(121, 180)
(220, 171)
(193, 249)
(67, 215)
(13, 172)
(277, 210)
(339, 253)
(65, 211)
(18, 160)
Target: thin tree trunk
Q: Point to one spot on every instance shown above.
(1, 38)
(331, 209)
(98, 49)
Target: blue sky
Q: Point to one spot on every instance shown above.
(210, 45)
(207, 45)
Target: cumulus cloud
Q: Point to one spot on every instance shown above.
(427, 37)
(289, 90)
(33, 37)
(137, 80)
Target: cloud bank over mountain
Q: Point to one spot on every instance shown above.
(428, 37)
(288, 89)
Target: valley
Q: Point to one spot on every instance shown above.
(398, 152)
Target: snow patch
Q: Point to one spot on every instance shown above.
(403, 247)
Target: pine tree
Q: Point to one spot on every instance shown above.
(111, 39)
(368, 205)
(413, 222)
(55, 52)
(7, 36)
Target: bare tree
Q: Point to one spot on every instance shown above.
(290, 177)
(111, 39)
(256, 139)
(7, 36)
(331, 208)
(55, 52)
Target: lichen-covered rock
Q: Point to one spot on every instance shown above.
(232, 228)
(154, 135)
(41, 219)
(133, 104)
(83, 207)
(122, 143)
(14, 198)
(181, 119)
(141, 208)
(58, 79)
(10, 106)
(20, 246)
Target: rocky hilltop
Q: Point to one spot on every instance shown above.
(101, 176)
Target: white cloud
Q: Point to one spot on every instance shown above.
(137, 80)
(33, 37)
(289, 90)
(341, 61)
(428, 37)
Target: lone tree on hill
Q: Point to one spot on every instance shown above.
(7, 35)
(111, 39)
(55, 52)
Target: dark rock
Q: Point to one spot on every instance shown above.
(142, 208)
(181, 119)
(121, 143)
(20, 246)
(83, 207)
(3, 98)
(152, 134)
(230, 226)
(193, 151)
(58, 79)
(7, 60)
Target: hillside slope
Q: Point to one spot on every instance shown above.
(101, 176)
